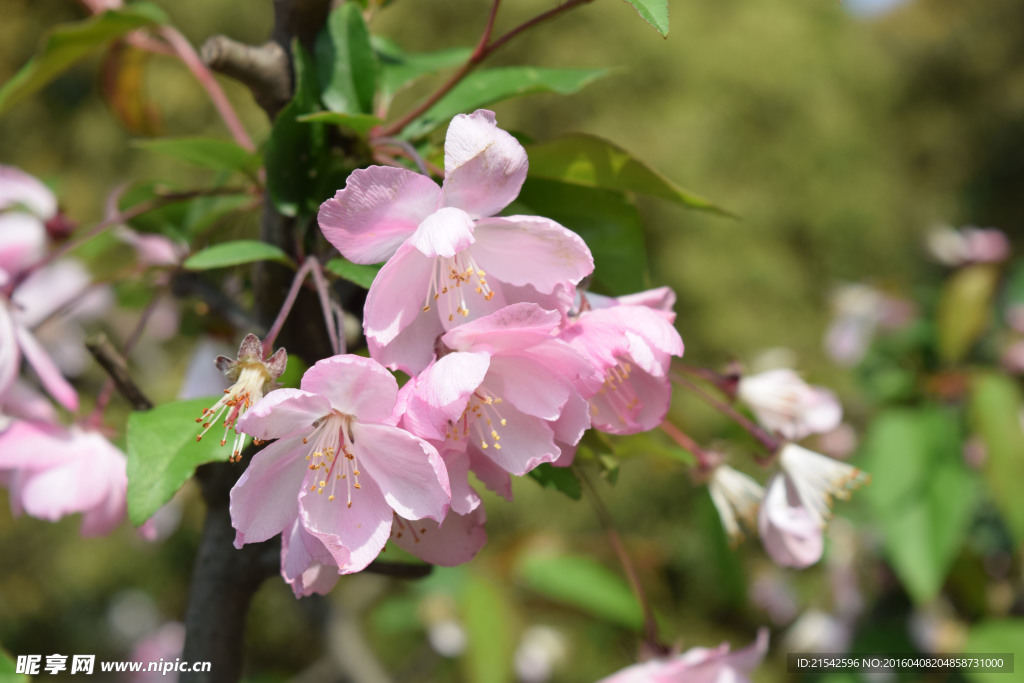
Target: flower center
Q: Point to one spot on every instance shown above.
(617, 394)
(331, 457)
(482, 418)
(451, 278)
(247, 390)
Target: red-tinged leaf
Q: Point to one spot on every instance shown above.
(121, 81)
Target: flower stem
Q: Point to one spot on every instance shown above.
(309, 265)
(770, 443)
(484, 49)
(650, 624)
(704, 460)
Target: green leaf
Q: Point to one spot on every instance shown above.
(357, 273)
(654, 12)
(558, 479)
(487, 616)
(346, 63)
(607, 221)
(361, 124)
(8, 669)
(995, 636)
(235, 253)
(921, 493)
(963, 311)
(292, 145)
(163, 453)
(68, 43)
(485, 87)
(590, 161)
(399, 69)
(995, 406)
(220, 155)
(584, 584)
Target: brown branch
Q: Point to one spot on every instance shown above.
(265, 70)
(114, 363)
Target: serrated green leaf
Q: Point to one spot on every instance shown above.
(357, 273)
(921, 493)
(487, 616)
(584, 584)
(995, 406)
(654, 12)
(590, 161)
(606, 220)
(68, 43)
(487, 86)
(963, 311)
(346, 63)
(163, 453)
(235, 253)
(220, 155)
(361, 124)
(399, 69)
(558, 479)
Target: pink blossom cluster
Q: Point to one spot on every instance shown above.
(49, 468)
(790, 515)
(509, 365)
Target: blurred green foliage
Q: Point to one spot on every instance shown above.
(837, 142)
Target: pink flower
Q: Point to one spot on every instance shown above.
(52, 472)
(252, 376)
(791, 535)
(955, 248)
(339, 465)
(787, 405)
(504, 394)
(631, 348)
(698, 665)
(447, 259)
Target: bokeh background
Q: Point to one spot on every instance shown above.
(837, 133)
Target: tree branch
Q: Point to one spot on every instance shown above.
(114, 363)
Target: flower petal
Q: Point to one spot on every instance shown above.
(354, 386)
(484, 166)
(283, 412)
(526, 442)
(530, 250)
(353, 535)
(439, 394)
(266, 498)
(10, 359)
(22, 241)
(49, 375)
(399, 332)
(377, 210)
(443, 233)
(19, 188)
(408, 470)
(455, 542)
(791, 535)
(305, 563)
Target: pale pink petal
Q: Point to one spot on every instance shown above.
(354, 386)
(50, 289)
(266, 498)
(464, 498)
(283, 412)
(18, 188)
(22, 401)
(791, 536)
(408, 470)
(443, 233)
(484, 166)
(526, 442)
(353, 535)
(22, 241)
(530, 250)
(305, 563)
(531, 388)
(49, 375)
(455, 542)
(10, 359)
(379, 208)
(439, 394)
(511, 328)
(490, 474)
(399, 332)
(569, 428)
